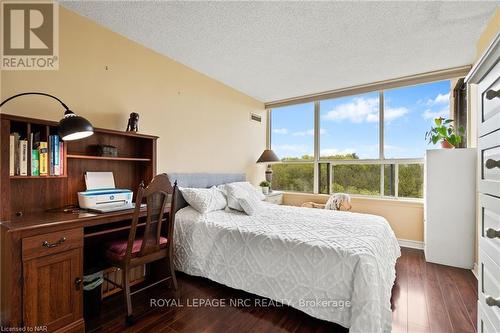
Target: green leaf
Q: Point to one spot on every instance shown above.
(447, 121)
(438, 121)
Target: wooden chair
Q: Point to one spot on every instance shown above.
(151, 246)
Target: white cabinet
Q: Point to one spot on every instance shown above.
(450, 206)
(486, 75)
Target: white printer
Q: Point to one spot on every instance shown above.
(101, 194)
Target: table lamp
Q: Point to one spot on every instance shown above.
(71, 127)
(268, 156)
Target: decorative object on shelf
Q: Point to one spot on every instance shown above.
(269, 157)
(71, 127)
(445, 132)
(133, 122)
(265, 185)
(106, 150)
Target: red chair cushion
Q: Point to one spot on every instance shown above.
(116, 250)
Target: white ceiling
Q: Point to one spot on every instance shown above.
(277, 50)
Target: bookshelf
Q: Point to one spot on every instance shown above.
(136, 162)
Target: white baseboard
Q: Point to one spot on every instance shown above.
(475, 271)
(412, 244)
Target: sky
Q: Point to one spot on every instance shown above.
(351, 124)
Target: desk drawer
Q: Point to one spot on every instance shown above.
(489, 148)
(489, 96)
(489, 291)
(55, 242)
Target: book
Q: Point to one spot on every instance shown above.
(43, 164)
(29, 154)
(23, 157)
(16, 153)
(56, 161)
(35, 160)
(35, 154)
(61, 157)
(12, 151)
(50, 156)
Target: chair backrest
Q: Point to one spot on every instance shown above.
(157, 195)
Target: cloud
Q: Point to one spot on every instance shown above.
(359, 110)
(439, 99)
(363, 110)
(394, 113)
(309, 132)
(429, 114)
(292, 148)
(393, 148)
(335, 151)
(280, 130)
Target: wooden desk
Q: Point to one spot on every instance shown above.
(42, 284)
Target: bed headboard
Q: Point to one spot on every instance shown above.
(205, 180)
(200, 180)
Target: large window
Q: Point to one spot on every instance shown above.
(292, 131)
(369, 144)
(409, 113)
(350, 125)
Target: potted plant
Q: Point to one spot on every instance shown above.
(265, 185)
(445, 132)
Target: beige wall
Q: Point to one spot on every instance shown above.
(488, 33)
(203, 125)
(405, 217)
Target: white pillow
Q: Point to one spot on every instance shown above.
(237, 190)
(204, 200)
(250, 205)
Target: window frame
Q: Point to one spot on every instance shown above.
(381, 160)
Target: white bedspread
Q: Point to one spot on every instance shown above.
(310, 259)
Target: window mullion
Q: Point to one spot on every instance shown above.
(316, 147)
(268, 128)
(396, 180)
(381, 138)
(381, 125)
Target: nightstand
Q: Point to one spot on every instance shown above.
(275, 197)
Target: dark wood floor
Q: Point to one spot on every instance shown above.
(426, 298)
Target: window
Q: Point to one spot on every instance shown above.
(296, 177)
(350, 125)
(355, 153)
(292, 131)
(408, 114)
(357, 179)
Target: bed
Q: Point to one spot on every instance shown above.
(335, 266)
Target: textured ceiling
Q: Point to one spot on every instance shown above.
(277, 50)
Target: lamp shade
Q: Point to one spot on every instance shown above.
(73, 127)
(268, 156)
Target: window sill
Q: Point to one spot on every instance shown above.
(356, 197)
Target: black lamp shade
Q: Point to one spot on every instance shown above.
(268, 156)
(73, 127)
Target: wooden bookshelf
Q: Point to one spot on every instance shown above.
(109, 158)
(37, 177)
(136, 162)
